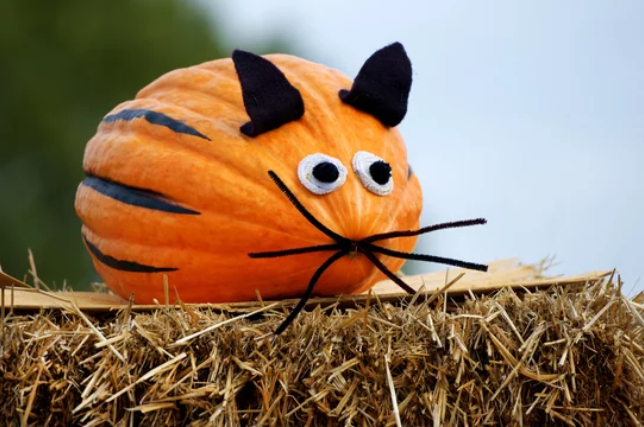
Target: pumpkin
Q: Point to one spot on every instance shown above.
(180, 182)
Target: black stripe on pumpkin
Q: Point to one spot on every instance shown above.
(410, 172)
(133, 267)
(156, 119)
(135, 196)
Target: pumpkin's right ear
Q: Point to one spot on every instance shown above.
(269, 98)
(382, 85)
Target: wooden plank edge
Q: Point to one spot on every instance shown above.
(7, 281)
(35, 299)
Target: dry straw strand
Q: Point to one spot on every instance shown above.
(570, 354)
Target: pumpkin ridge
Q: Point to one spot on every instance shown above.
(281, 276)
(332, 113)
(176, 80)
(160, 95)
(393, 217)
(155, 118)
(322, 124)
(161, 269)
(359, 287)
(123, 240)
(170, 143)
(386, 220)
(117, 264)
(118, 234)
(141, 104)
(170, 83)
(389, 218)
(208, 213)
(135, 196)
(321, 127)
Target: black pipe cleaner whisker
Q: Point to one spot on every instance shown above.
(295, 251)
(309, 290)
(429, 258)
(344, 246)
(383, 268)
(428, 229)
(309, 217)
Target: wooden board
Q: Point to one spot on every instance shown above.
(7, 281)
(505, 273)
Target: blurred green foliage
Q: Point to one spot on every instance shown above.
(63, 66)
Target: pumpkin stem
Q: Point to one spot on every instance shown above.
(428, 229)
(309, 290)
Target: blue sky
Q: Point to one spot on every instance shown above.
(529, 113)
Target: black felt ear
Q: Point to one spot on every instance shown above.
(382, 85)
(270, 100)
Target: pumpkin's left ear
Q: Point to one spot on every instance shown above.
(270, 100)
(382, 85)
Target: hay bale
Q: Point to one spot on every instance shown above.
(566, 355)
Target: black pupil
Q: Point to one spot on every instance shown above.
(380, 172)
(326, 172)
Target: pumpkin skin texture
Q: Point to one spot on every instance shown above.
(178, 148)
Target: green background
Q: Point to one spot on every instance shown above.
(63, 66)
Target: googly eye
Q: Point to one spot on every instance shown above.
(374, 173)
(321, 174)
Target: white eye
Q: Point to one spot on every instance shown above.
(321, 174)
(374, 173)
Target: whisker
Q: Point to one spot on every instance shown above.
(365, 246)
(383, 268)
(309, 217)
(428, 229)
(429, 258)
(309, 290)
(295, 251)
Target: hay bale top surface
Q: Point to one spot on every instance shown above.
(570, 353)
(503, 273)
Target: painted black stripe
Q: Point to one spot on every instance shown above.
(135, 196)
(156, 119)
(133, 267)
(409, 172)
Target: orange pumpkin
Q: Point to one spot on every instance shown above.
(181, 183)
